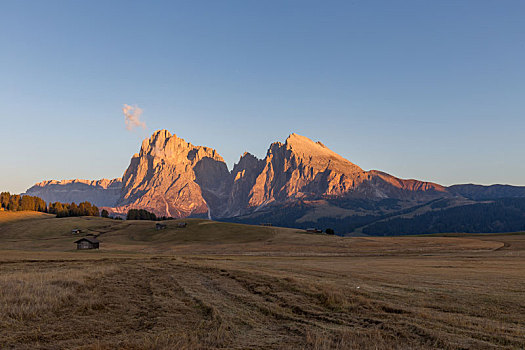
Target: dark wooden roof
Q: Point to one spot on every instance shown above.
(89, 239)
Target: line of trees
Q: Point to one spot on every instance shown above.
(15, 202)
(63, 210)
(142, 214)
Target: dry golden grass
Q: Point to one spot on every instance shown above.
(24, 295)
(45, 233)
(234, 288)
(10, 216)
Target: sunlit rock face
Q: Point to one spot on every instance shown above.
(99, 192)
(172, 177)
(242, 181)
(301, 169)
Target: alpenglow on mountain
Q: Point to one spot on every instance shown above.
(300, 183)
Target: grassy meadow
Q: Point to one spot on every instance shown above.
(228, 286)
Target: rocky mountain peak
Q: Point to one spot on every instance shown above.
(156, 140)
(246, 158)
(294, 138)
(317, 155)
(247, 154)
(161, 134)
(172, 177)
(302, 145)
(166, 146)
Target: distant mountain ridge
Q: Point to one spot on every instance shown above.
(480, 192)
(299, 182)
(103, 192)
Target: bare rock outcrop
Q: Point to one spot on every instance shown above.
(172, 177)
(301, 169)
(242, 180)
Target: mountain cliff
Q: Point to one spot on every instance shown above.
(298, 183)
(172, 177)
(99, 192)
(301, 169)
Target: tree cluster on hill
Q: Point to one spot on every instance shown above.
(329, 231)
(15, 202)
(64, 210)
(140, 214)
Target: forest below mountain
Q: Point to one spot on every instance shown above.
(439, 216)
(500, 215)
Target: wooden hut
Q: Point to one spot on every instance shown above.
(87, 243)
(313, 230)
(159, 226)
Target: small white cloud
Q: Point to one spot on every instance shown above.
(132, 115)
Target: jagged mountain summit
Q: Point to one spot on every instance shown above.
(301, 169)
(298, 183)
(172, 177)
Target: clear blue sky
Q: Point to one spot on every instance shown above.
(426, 89)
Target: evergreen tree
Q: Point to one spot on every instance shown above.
(140, 214)
(4, 199)
(14, 203)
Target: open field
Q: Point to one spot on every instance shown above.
(215, 285)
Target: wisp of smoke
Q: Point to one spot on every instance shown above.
(132, 114)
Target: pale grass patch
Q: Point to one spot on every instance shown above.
(27, 295)
(332, 297)
(166, 340)
(8, 216)
(336, 298)
(318, 339)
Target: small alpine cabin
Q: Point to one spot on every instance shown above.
(313, 230)
(87, 243)
(159, 226)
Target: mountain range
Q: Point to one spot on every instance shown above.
(300, 183)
